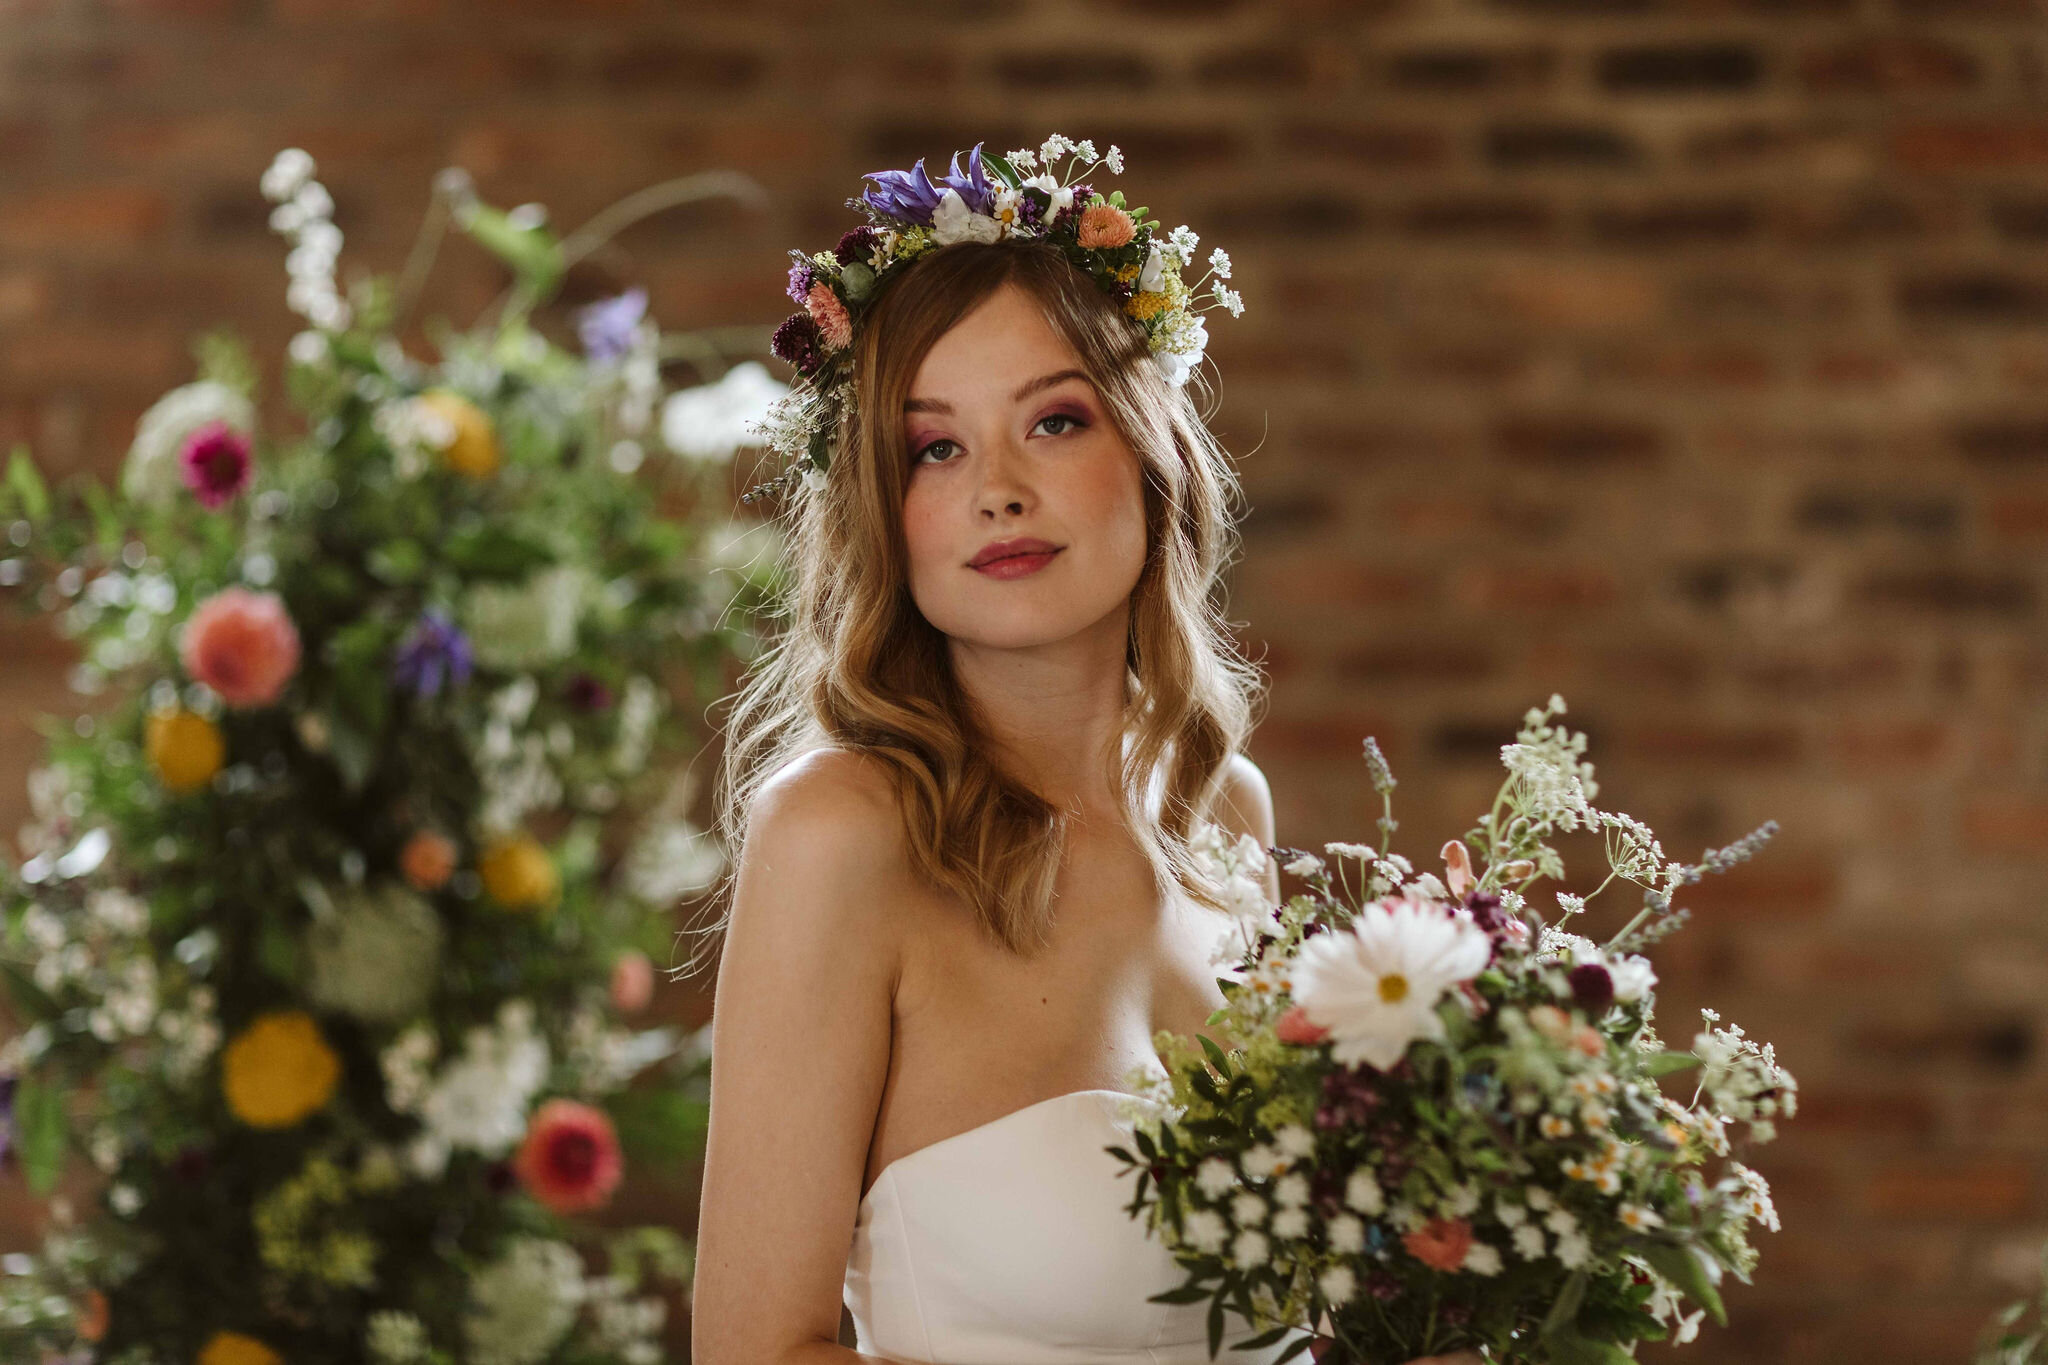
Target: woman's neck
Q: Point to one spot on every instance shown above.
(1054, 712)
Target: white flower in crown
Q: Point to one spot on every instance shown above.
(953, 221)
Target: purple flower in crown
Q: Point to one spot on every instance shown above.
(607, 326)
(799, 280)
(911, 197)
(435, 652)
(856, 245)
(797, 341)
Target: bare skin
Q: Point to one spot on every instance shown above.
(863, 1016)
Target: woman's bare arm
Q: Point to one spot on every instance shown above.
(799, 1054)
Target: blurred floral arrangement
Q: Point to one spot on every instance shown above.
(1440, 1126)
(333, 926)
(2009, 1340)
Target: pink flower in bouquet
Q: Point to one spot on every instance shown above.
(1441, 1243)
(830, 314)
(215, 463)
(1297, 1028)
(570, 1159)
(242, 644)
(632, 983)
(1458, 868)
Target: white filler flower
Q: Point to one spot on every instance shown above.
(1375, 987)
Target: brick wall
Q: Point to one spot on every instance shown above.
(1682, 356)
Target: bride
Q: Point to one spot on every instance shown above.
(962, 783)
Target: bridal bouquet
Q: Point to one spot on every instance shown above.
(1443, 1125)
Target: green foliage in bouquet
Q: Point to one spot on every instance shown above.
(1439, 1121)
(333, 924)
(2011, 1340)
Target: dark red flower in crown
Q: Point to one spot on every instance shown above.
(798, 341)
(856, 245)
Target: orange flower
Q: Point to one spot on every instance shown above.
(1106, 225)
(473, 448)
(92, 1318)
(1441, 1243)
(427, 860)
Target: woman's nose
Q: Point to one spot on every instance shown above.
(1004, 483)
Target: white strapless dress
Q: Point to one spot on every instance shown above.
(1008, 1245)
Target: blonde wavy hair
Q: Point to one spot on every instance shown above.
(856, 665)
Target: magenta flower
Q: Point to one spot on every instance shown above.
(215, 461)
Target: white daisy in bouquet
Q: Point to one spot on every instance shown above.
(1437, 1121)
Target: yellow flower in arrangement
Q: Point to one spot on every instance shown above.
(1146, 304)
(278, 1070)
(184, 747)
(474, 449)
(519, 874)
(232, 1348)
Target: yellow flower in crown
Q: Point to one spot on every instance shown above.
(278, 1070)
(472, 448)
(184, 747)
(519, 874)
(232, 1348)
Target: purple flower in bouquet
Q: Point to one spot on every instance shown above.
(436, 651)
(607, 326)
(587, 693)
(7, 1086)
(215, 462)
(912, 197)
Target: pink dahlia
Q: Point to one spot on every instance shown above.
(215, 461)
(1106, 225)
(242, 644)
(570, 1158)
(830, 315)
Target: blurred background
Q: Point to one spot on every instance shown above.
(1683, 357)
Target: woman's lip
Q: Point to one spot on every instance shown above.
(1016, 566)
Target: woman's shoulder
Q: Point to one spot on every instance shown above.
(1244, 800)
(833, 809)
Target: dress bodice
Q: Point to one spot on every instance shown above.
(1008, 1244)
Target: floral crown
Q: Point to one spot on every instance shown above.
(1020, 195)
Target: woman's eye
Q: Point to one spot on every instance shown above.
(1072, 422)
(928, 450)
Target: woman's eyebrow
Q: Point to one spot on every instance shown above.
(1044, 381)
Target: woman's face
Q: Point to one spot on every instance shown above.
(1008, 440)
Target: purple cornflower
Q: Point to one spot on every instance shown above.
(435, 651)
(912, 197)
(607, 326)
(215, 462)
